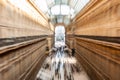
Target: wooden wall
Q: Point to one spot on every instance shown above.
(22, 61)
(100, 59)
(23, 42)
(99, 18)
(96, 35)
(14, 22)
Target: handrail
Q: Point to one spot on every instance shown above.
(103, 43)
(18, 45)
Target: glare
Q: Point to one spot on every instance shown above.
(20, 4)
(55, 10)
(59, 29)
(72, 11)
(59, 35)
(41, 4)
(65, 9)
(51, 8)
(61, 10)
(26, 7)
(80, 5)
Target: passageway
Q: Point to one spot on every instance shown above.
(59, 39)
(61, 65)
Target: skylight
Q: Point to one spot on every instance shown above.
(41, 4)
(65, 9)
(54, 9)
(61, 10)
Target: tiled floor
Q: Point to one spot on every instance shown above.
(61, 66)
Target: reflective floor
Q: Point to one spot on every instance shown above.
(61, 65)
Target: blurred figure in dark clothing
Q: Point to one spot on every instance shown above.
(73, 51)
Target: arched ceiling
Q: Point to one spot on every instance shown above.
(56, 11)
(60, 11)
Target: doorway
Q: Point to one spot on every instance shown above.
(59, 35)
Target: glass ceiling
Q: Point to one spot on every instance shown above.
(58, 11)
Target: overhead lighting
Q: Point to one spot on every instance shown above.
(62, 10)
(65, 9)
(55, 10)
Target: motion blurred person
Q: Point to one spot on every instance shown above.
(68, 51)
(73, 51)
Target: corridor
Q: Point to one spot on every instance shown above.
(61, 65)
(59, 39)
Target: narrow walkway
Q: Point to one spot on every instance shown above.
(60, 65)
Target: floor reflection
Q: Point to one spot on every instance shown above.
(61, 65)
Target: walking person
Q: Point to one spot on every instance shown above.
(73, 51)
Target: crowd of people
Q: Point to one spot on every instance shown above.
(60, 64)
(63, 49)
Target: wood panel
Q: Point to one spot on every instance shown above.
(100, 59)
(22, 60)
(96, 34)
(99, 18)
(15, 22)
